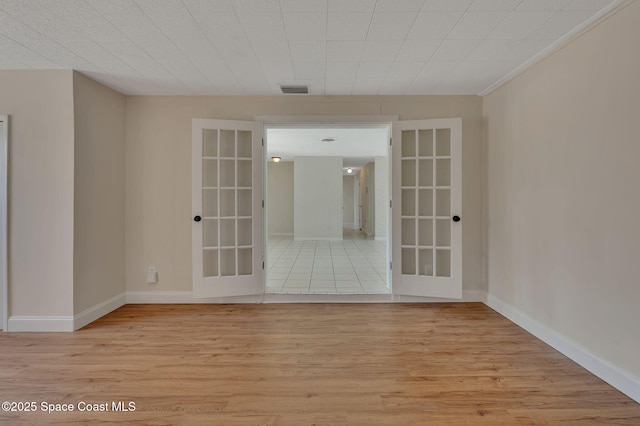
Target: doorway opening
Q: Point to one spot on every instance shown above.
(327, 224)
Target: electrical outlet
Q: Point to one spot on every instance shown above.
(152, 275)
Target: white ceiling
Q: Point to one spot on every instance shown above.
(358, 145)
(249, 47)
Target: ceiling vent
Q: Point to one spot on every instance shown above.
(289, 89)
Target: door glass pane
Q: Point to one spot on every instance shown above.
(408, 172)
(228, 173)
(210, 202)
(443, 172)
(227, 143)
(408, 202)
(244, 202)
(244, 232)
(425, 172)
(209, 173)
(227, 232)
(425, 232)
(245, 258)
(408, 143)
(209, 233)
(443, 263)
(443, 142)
(408, 232)
(244, 144)
(425, 206)
(425, 143)
(443, 202)
(227, 203)
(409, 261)
(244, 173)
(210, 143)
(425, 262)
(210, 263)
(228, 262)
(443, 232)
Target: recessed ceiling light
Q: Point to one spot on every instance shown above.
(349, 170)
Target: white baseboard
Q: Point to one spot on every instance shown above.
(100, 310)
(64, 323)
(622, 380)
(178, 297)
(467, 296)
(40, 323)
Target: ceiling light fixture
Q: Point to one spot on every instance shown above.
(349, 170)
(276, 159)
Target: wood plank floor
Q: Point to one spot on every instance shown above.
(304, 364)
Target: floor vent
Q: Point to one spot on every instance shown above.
(288, 89)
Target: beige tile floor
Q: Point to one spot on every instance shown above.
(355, 265)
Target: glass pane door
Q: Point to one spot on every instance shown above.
(227, 208)
(427, 196)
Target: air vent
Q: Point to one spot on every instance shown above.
(288, 89)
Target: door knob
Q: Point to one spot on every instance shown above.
(197, 218)
(456, 218)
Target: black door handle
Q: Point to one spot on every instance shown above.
(197, 218)
(456, 218)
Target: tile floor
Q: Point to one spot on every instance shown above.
(355, 265)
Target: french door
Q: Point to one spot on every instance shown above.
(227, 208)
(427, 208)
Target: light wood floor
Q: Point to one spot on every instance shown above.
(305, 364)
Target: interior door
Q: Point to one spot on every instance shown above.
(227, 208)
(427, 208)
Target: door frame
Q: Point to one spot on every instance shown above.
(4, 173)
(326, 120)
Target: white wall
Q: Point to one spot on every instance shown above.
(41, 186)
(348, 201)
(317, 198)
(563, 205)
(381, 201)
(98, 193)
(280, 198)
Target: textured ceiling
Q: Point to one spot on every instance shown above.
(250, 47)
(357, 145)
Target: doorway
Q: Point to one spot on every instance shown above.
(228, 201)
(327, 220)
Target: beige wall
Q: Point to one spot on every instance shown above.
(317, 202)
(367, 199)
(158, 170)
(99, 193)
(40, 205)
(348, 201)
(280, 198)
(563, 236)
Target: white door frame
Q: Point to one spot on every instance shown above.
(4, 169)
(327, 120)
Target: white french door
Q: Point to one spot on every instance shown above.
(227, 208)
(427, 208)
